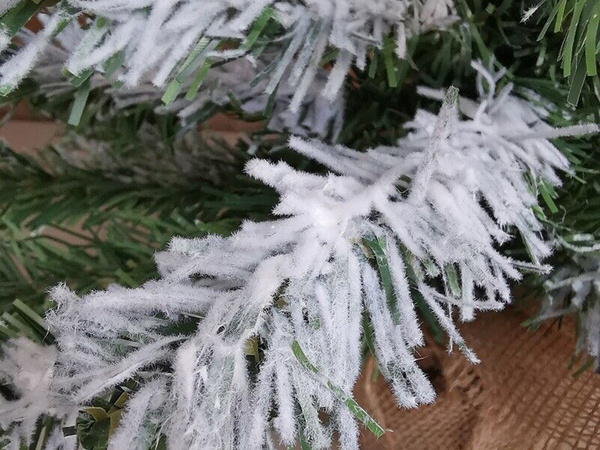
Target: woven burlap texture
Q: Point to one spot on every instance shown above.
(521, 396)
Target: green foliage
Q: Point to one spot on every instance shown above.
(92, 434)
(20, 14)
(579, 20)
(89, 215)
(376, 247)
(96, 424)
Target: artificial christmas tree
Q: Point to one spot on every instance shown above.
(377, 201)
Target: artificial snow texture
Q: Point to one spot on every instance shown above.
(243, 335)
(574, 289)
(26, 368)
(155, 37)
(317, 116)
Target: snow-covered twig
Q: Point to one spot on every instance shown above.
(356, 242)
(316, 117)
(574, 288)
(27, 368)
(156, 36)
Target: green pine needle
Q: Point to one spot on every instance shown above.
(339, 393)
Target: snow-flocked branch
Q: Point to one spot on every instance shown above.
(574, 289)
(316, 117)
(242, 335)
(27, 368)
(161, 41)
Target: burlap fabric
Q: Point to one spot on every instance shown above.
(522, 395)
